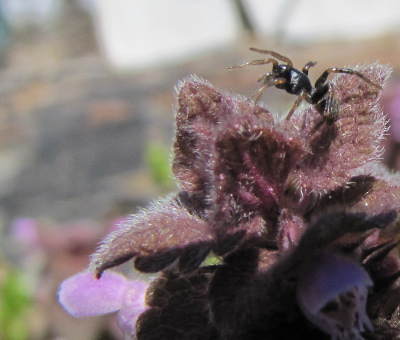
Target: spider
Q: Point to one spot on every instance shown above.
(285, 76)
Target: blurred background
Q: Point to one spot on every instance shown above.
(86, 117)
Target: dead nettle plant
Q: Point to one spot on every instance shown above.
(299, 213)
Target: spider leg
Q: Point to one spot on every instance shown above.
(321, 80)
(303, 96)
(270, 83)
(308, 66)
(330, 111)
(326, 103)
(256, 62)
(265, 78)
(274, 54)
(317, 126)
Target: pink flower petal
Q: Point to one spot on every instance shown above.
(83, 295)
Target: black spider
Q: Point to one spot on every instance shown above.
(293, 81)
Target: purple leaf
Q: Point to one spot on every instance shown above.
(384, 194)
(164, 227)
(250, 164)
(232, 152)
(201, 109)
(336, 150)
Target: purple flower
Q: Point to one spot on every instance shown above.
(83, 295)
(332, 291)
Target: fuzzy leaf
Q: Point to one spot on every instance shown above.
(166, 226)
(201, 109)
(180, 309)
(356, 190)
(337, 149)
(233, 153)
(384, 194)
(250, 164)
(329, 228)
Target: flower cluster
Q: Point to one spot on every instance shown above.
(300, 214)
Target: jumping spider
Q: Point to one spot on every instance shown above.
(286, 77)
